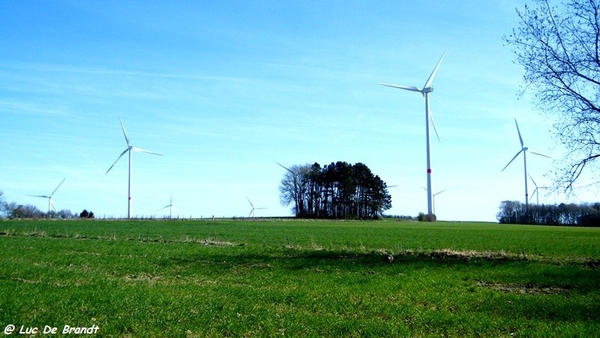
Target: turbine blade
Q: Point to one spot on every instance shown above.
(252, 205)
(162, 208)
(533, 193)
(42, 196)
(61, 182)
(281, 165)
(140, 150)
(518, 131)
(118, 158)
(52, 204)
(519, 153)
(411, 88)
(433, 123)
(533, 182)
(533, 152)
(124, 132)
(430, 79)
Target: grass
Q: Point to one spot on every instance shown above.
(300, 278)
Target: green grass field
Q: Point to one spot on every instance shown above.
(300, 278)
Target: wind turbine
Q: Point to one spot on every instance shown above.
(535, 191)
(170, 206)
(428, 117)
(437, 193)
(523, 150)
(251, 214)
(49, 197)
(129, 149)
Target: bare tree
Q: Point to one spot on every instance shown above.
(293, 187)
(559, 48)
(26, 211)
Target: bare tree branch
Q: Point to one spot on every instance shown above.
(559, 49)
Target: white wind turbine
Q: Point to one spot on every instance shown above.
(49, 197)
(251, 214)
(129, 149)
(437, 193)
(524, 151)
(170, 206)
(428, 117)
(535, 191)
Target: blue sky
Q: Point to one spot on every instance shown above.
(225, 89)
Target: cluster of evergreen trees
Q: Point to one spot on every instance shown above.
(336, 191)
(584, 214)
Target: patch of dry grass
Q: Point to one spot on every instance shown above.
(523, 289)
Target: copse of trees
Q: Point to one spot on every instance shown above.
(86, 214)
(336, 191)
(584, 214)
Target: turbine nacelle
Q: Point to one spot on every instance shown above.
(426, 90)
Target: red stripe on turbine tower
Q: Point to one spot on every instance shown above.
(429, 171)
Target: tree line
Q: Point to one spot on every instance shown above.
(584, 214)
(335, 191)
(15, 210)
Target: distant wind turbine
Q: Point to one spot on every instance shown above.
(535, 191)
(524, 151)
(251, 214)
(437, 193)
(49, 197)
(129, 149)
(170, 206)
(428, 117)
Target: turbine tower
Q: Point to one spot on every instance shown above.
(428, 117)
(129, 149)
(524, 151)
(49, 197)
